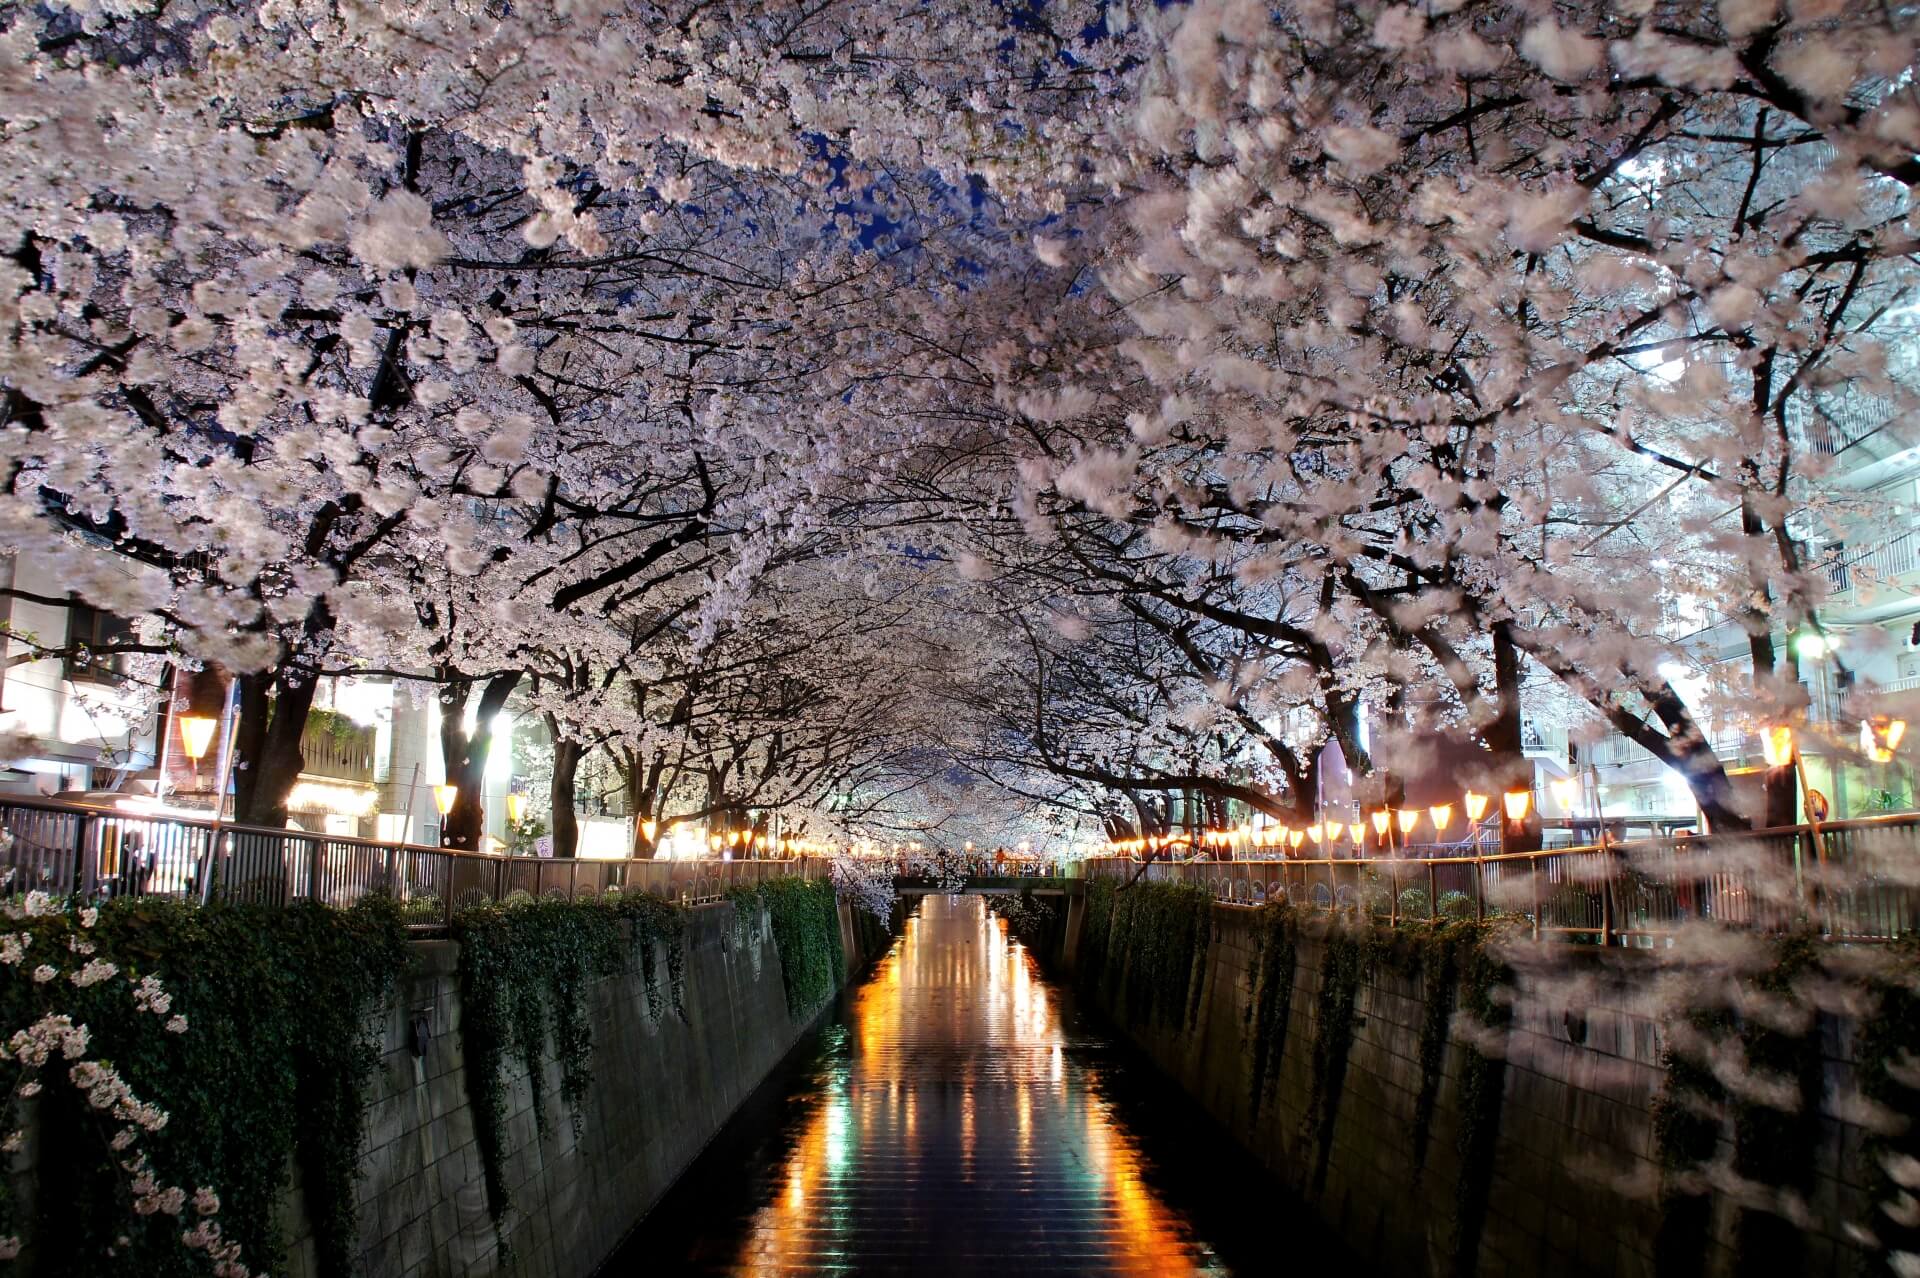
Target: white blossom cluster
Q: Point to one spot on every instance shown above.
(56, 1038)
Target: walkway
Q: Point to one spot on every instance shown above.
(960, 1119)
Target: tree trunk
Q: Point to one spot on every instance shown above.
(564, 822)
(1506, 740)
(1770, 682)
(465, 756)
(266, 743)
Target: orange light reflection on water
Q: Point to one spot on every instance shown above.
(958, 1106)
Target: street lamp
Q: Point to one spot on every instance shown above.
(1517, 802)
(1776, 745)
(196, 734)
(516, 806)
(648, 829)
(1880, 737)
(1407, 818)
(1476, 807)
(1442, 815)
(1380, 820)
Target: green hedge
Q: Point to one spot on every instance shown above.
(279, 1044)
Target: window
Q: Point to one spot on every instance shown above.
(88, 632)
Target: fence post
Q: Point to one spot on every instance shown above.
(1606, 904)
(79, 852)
(1533, 881)
(1433, 895)
(316, 852)
(1479, 888)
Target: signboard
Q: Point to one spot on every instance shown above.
(543, 846)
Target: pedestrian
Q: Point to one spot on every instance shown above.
(135, 862)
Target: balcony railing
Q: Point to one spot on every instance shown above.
(1854, 881)
(1880, 563)
(326, 751)
(98, 853)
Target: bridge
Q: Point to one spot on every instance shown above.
(990, 885)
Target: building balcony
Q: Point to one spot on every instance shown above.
(1887, 563)
(334, 748)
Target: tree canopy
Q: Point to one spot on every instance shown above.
(824, 407)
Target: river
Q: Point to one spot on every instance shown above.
(958, 1115)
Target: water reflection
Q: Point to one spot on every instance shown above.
(957, 1120)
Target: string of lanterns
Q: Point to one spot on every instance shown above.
(1329, 833)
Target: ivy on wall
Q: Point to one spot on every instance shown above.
(525, 969)
(1038, 921)
(1887, 1054)
(1343, 964)
(1270, 1002)
(1450, 960)
(1439, 977)
(277, 1041)
(1096, 930)
(1775, 1146)
(1483, 1079)
(1777, 1032)
(1150, 941)
(806, 932)
(874, 935)
(1686, 1132)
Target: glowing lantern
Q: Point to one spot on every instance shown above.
(196, 734)
(1776, 746)
(1315, 830)
(1380, 820)
(1517, 802)
(1407, 819)
(1476, 806)
(1357, 831)
(444, 797)
(1564, 789)
(649, 829)
(1296, 837)
(1442, 814)
(1880, 737)
(516, 806)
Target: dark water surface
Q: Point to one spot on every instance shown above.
(958, 1116)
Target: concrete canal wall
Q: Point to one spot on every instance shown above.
(661, 1091)
(1575, 1164)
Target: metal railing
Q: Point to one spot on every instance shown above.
(64, 849)
(1850, 880)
